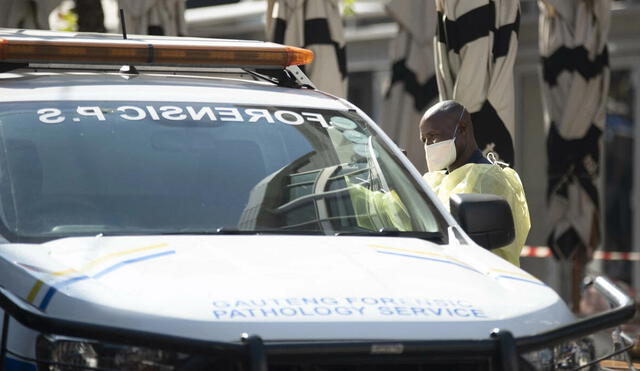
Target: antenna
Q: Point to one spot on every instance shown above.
(129, 70)
(124, 25)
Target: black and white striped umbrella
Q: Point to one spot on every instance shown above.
(26, 14)
(573, 46)
(413, 82)
(154, 17)
(475, 50)
(315, 25)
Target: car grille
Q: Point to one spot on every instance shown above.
(411, 364)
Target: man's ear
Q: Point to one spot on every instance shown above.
(462, 136)
(463, 126)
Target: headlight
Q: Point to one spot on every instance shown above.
(566, 356)
(581, 353)
(69, 354)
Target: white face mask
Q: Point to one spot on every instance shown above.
(442, 154)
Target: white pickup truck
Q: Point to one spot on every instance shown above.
(206, 208)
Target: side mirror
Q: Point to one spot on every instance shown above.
(487, 219)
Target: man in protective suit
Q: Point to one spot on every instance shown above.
(456, 165)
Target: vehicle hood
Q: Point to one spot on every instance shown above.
(282, 287)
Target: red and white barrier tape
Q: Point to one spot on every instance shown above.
(545, 252)
(535, 252)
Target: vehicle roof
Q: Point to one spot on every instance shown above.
(29, 84)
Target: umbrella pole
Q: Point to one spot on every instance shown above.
(577, 276)
(565, 283)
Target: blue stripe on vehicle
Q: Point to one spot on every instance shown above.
(47, 298)
(11, 364)
(522, 279)
(430, 259)
(461, 266)
(52, 290)
(130, 261)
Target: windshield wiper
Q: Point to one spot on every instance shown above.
(428, 236)
(225, 230)
(246, 232)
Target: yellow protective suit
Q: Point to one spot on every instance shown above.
(488, 179)
(375, 209)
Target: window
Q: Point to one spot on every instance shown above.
(83, 168)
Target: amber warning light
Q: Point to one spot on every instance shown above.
(171, 52)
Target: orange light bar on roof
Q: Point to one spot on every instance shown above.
(192, 52)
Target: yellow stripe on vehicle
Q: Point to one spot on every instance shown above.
(102, 259)
(425, 253)
(499, 273)
(34, 291)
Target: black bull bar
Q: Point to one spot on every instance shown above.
(500, 344)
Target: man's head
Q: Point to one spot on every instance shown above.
(442, 122)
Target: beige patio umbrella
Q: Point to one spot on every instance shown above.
(573, 45)
(154, 17)
(315, 25)
(413, 85)
(26, 14)
(475, 50)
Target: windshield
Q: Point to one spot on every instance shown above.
(85, 168)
